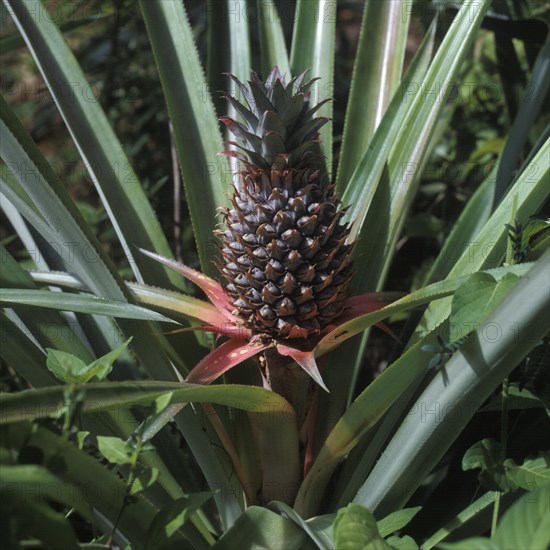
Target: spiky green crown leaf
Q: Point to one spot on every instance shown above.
(279, 129)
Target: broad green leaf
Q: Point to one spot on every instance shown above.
(101, 367)
(475, 299)
(65, 366)
(355, 527)
(115, 180)
(474, 371)
(474, 543)
(376, 77)
(526, 524)
(81, 438)
(534, 231)
(486, 455)
(313, 49)
(397, 520)
(197, 136)
(259, 528)
(114, 449)
(534, 472)
(71, 369)
(171, 518)
(273, 50)
(78, 302)
(28, 405)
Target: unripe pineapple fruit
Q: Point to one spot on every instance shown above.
(286, 263)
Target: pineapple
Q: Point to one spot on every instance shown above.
(286, 263)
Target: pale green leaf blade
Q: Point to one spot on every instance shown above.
(273, 50)
(474, 370)
(488, 248)
(114, 178)
(478, 506)
(197, 136)
(376, 77)
(171, 518)
(28, 405)
(313, 49)
(360, 189)
(378, 233)
(81, 303)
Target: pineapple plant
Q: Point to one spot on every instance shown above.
(286, 261)
(170, 427)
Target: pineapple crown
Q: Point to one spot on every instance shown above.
(279, 129)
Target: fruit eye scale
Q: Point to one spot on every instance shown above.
(283, 243)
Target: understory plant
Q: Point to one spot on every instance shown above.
(224, 404)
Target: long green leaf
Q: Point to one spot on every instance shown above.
(530, 108)
(196, 132)
(360, 192)
(377, 233)
(273, 50)
(62, 225)
(488, 247)
(313, 49)
(50, 329)
(77, 302)
(446, 407)
(28, 405)
(376, 76)
(116, 182)
(435, 291)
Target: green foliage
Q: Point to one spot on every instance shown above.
(442, 166)
(69, 368)
(355, 527)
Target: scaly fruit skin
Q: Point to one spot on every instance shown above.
(287, 265)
